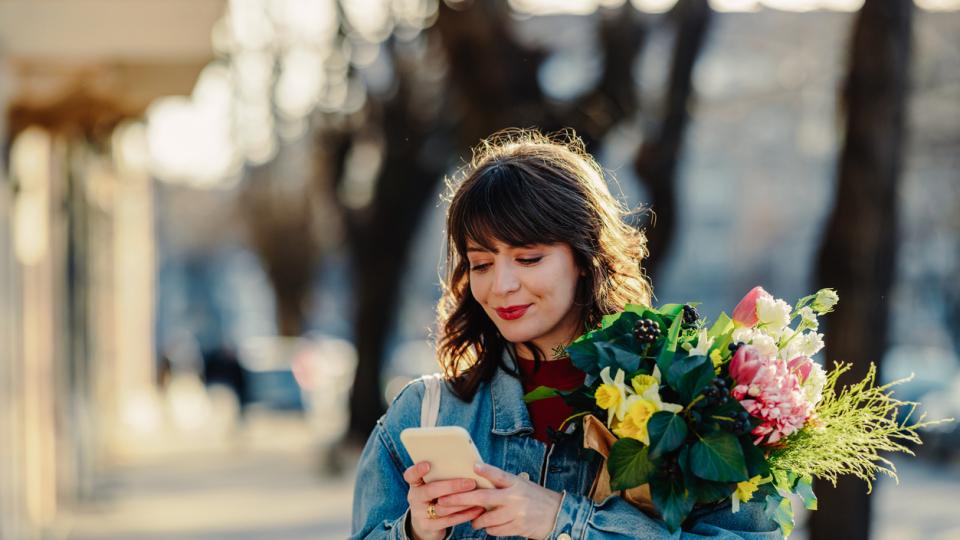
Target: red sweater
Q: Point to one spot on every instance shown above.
(550, 412)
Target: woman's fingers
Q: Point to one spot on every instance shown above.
(492, 518)
(480, 497)
(458, 518)
(498, 477)
(414, 473)
(440, 488)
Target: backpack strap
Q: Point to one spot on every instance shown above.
(430, 406)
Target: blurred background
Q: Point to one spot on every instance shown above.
(220, 225)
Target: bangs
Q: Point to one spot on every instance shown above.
(504, 204)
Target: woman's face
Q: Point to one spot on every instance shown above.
(528, 292)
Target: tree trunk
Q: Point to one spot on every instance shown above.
(656, 162)
(858, 254)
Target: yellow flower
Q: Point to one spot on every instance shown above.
(716, 358)
(607, 396)
(642, 382)
(634, 423)
(745, 490)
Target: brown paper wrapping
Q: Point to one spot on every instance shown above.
(599, 438)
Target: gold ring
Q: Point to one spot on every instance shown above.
(432, 511)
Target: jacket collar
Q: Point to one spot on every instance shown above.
(510, 415)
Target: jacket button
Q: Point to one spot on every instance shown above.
(564, 536)
(524, 475)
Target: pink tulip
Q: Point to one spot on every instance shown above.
(745, 364)
(801, 365)
(745, 314)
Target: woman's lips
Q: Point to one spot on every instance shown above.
(512, 312)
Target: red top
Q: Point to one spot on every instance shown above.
(551, 412)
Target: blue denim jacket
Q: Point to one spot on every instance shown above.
(500, 426)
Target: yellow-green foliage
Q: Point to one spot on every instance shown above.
(849, 431)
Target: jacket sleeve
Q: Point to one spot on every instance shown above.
(380, 493)
(615, 518)
(380, 508)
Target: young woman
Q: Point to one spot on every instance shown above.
(537, 252)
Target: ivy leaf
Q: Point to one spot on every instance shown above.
(629, 464)
(718, 457)
(689, 375)
(673, 501)
(615, 355)
(667, 432)
(754, 458)
(704, 491)
(583, 355)
(665, 358)
(540, 392)
(805, 491)
(780, 510)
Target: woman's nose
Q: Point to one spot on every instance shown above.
(504, 280)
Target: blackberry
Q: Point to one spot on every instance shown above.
(741, 424)
(690, 315)
(646, 330)
(717, 393)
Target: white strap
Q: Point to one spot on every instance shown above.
(430, 406)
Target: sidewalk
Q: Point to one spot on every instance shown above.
(262, 482)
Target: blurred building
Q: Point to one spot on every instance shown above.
(76, 236)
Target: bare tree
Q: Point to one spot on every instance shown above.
(858, 253)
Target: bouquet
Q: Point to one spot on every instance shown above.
(688, 415)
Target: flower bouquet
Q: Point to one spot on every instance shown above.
(687, 415)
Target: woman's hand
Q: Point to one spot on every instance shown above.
(422, 495)
(515, 507)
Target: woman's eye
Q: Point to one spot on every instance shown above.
(531, 260)
(479, 267)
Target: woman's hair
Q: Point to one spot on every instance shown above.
(522, 187)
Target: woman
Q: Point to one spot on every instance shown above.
(537, 252)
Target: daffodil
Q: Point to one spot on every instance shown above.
(612, 395)
(634, 424)
(703, 344)
(745, 490)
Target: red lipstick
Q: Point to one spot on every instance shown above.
(512, 312)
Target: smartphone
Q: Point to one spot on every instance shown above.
(449, 449)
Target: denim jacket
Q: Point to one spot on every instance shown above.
(500, 426)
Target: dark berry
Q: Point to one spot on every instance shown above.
(646, 330)
(734, 346)
(690, 315)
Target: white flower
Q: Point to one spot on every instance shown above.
(617, 383)
(808, 318)
(765, 344)
(813, 386)
(809, 343)
(825, 300)
(773, 314)
(742, 334)
(703, 344)
(791, 349)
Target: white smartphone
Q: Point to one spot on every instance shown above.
(449, 449)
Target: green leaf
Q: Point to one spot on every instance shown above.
(704, 491)
(722, 325)
(540, 392)
(607, 320)
(629, 465)
(805, 491)
(667, 432)
(689, 375)
(665, 358)
(718, 457)
(754, 458)
(615, 355)
(673, 501)
(780, 510)
(583, 355)
(671, 310)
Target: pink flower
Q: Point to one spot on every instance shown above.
(745, 314)
(745, 363)
(770, 389)
(801, 366)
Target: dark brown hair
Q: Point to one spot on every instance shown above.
(522, 187)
